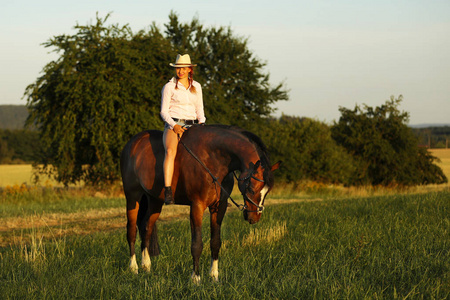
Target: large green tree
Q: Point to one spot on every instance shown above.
(384, 146)
(106, 86)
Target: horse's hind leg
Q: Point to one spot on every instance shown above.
(132, 216)
(150, 246)
(217, 213)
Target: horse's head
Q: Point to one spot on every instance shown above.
(254, 184)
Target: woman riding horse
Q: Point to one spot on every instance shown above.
(181, 107)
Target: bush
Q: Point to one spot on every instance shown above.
(385, 148)
(307, 150)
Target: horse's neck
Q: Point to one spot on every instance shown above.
(245, 158)
(239, 151)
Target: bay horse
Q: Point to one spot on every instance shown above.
(207, 156)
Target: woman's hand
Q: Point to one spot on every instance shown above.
(178, 129)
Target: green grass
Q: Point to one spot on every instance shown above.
(376, 247)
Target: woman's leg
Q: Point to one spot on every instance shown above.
(170, 140)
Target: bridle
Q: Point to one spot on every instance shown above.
(246, 180)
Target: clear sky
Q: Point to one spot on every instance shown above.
(329, 53)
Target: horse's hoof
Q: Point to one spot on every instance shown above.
(214, 272)
(196, 279)
(133, 267)
(146, 267)
(146, 262)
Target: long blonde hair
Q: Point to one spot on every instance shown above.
(192, 88)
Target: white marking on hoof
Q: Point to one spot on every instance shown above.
(214, 271)
(133, 265)
(195, 278)
(146, 262)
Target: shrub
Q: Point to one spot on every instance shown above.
(307, 150)
(385, 147)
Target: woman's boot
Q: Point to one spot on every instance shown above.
(168, 197)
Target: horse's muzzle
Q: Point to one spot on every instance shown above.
(245, 215)
(249, 219)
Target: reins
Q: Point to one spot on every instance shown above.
(241, 207)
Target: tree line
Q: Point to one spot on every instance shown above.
(433, 137)
(106, 84)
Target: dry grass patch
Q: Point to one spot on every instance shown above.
(23, 230)
(265, 235)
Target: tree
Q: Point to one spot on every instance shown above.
(385, 148)
(307, 150)
(106, 87)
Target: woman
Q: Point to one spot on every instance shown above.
(181, 107)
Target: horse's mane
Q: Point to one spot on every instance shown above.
(260, 147)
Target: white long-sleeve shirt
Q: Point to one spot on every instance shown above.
(181, 103)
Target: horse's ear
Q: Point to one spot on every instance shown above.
(276, 166)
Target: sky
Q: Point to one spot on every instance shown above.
(328, 54)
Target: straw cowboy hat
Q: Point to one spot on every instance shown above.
(183, 61)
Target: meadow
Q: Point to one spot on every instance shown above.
(382, 247)
(322, 243)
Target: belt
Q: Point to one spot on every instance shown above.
(187, 122)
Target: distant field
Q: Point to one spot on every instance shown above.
(18, 174)
(444, 156)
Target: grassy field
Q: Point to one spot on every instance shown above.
(325, 243)
(58, 247)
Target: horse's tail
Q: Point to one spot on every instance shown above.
(154, 249)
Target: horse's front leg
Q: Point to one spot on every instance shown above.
(217, 213)
(196, 217)
(154, 212)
